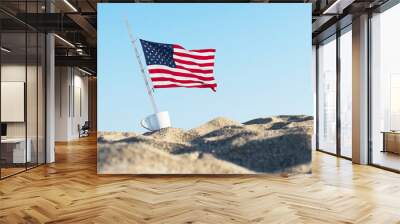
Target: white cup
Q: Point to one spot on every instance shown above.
(156, 121)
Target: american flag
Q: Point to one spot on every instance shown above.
(171, 65)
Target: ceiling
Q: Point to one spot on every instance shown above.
(75, 21)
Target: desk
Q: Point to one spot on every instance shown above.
(15, 148)
(391, 141)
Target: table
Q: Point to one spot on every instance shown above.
(16, 147)
(391, 141)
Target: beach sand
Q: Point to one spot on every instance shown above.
(278, 145)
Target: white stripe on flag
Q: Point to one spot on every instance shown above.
(195, 66)
(194, 53)
(198, 61)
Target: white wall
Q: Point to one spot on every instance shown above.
(17, 72)
(71, 87)
(33, 126)
(61, 103)
(80, 109)
(9, 73)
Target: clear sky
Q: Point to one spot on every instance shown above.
(262, 65)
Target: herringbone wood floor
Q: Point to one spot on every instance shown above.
(69, 191)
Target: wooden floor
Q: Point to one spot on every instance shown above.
(69, 191)
(5, 172)
(386, 159)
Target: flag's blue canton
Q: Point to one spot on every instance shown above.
(158, 54)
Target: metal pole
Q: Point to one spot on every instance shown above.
(149, 89)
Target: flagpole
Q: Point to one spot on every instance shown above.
(149, 89)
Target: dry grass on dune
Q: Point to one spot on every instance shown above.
(221, 146)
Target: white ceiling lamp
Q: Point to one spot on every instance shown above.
(64, 40)
(5, 50)
(70, 5)
(84, 71)
(337, 7)
(79, 51)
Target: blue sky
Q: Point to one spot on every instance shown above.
(262, 68)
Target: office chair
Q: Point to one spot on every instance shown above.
(84, 130)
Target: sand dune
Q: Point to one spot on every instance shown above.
(279, 144)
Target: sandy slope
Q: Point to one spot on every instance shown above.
(280, 144)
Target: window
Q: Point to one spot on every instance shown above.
(385, 89)
(22, 88)
(327, 95)
(346, 92)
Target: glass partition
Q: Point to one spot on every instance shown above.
(41, 96)
(41, 89)
(385, 89)
(31, 99)
(22, 78)
(34, 57)
(346, 93)
(14, 153)
(327, 95)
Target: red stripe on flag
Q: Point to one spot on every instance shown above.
(177, 46)
(176, 80)
(210, 50)
(212, 86)
(204, 50)
(181, 74)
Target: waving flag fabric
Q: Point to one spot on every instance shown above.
(171, 65)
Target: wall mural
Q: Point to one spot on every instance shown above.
(204, 88)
